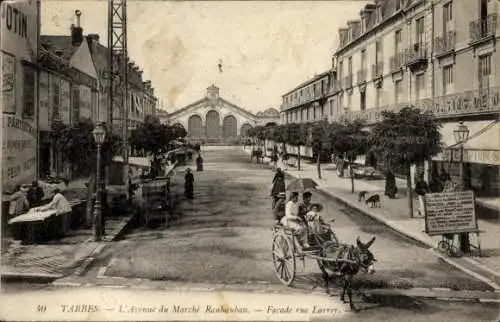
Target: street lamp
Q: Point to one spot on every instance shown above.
(99, 134)
(461, 135)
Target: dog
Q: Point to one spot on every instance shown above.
(374, 201)
(362, 195)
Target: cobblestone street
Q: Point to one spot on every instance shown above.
(224, 236)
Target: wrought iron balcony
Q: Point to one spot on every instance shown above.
(417, 56)
(483, 29)
(397, 62)
(361, 76)
(445, 44)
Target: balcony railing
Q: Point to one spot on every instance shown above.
(483, 29)
(361, 76)
(397, 61)
(348, 81)
(377, 70)
(446, 43)
(417, 54)
(475, 102)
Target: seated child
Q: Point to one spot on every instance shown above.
(319, 232)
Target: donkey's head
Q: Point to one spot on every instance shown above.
(366, 258)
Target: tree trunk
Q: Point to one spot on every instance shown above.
(410, 190)
(319, 166)
(298, 159)
(351, 174)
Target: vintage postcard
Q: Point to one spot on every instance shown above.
(250, 160)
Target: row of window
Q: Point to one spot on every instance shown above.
(318, 88)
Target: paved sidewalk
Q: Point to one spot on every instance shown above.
(394, 214)
(56, 259)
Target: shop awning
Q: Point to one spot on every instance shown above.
(483, 145)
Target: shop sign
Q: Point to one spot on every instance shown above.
(471, 156)
(463, 103)
(18, 152)
(449, 213)
(8, 83)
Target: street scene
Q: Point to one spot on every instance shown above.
(203, 184)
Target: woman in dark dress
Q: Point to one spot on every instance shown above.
(278, 186)
(188, 184)
(199, 163)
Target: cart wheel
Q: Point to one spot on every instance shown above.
(453, 251)
(443, 246)
(284, 259)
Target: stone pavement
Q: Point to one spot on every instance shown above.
(56, 259)
(394, 214)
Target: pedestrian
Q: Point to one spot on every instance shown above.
(278, 186)
(435, 184)
(199, 163)
(188, 184)
(391, 188)
(279, 207)
(18, 202)
(35, 195)
(449, 185)
(421, 189)
(58, 203)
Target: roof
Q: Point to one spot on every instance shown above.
(270, 112)
(62, 43)
(310, 81)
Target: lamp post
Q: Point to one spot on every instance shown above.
(99, 133)
(461, 135)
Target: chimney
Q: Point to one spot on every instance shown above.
(77, 31)
(343, 32)
(93, 41)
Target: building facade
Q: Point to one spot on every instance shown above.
(19, 43)
(141, 98)
(310, 101)
(436, 55)
(213, 119)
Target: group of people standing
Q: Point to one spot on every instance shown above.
(26, 198)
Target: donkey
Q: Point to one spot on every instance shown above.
(356, 258)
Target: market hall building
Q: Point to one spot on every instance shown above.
(215, 120)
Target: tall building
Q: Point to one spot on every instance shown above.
(310, 101)
(19, 44)
(435, 55)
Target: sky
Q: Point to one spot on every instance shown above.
(267, 48)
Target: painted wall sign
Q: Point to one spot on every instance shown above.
(15, 21)
(18, 152)
(8, 83)
(473, 156)
(450, 212)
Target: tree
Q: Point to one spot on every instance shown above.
(349, 139)
(406, 137)
(297, 135)
(178, 131)
(320, 141)
(152, 137)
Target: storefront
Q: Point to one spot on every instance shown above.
(19, 43)
(481, 157)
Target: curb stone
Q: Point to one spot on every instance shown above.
(424, 293)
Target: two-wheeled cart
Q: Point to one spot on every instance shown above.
(285, 251)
